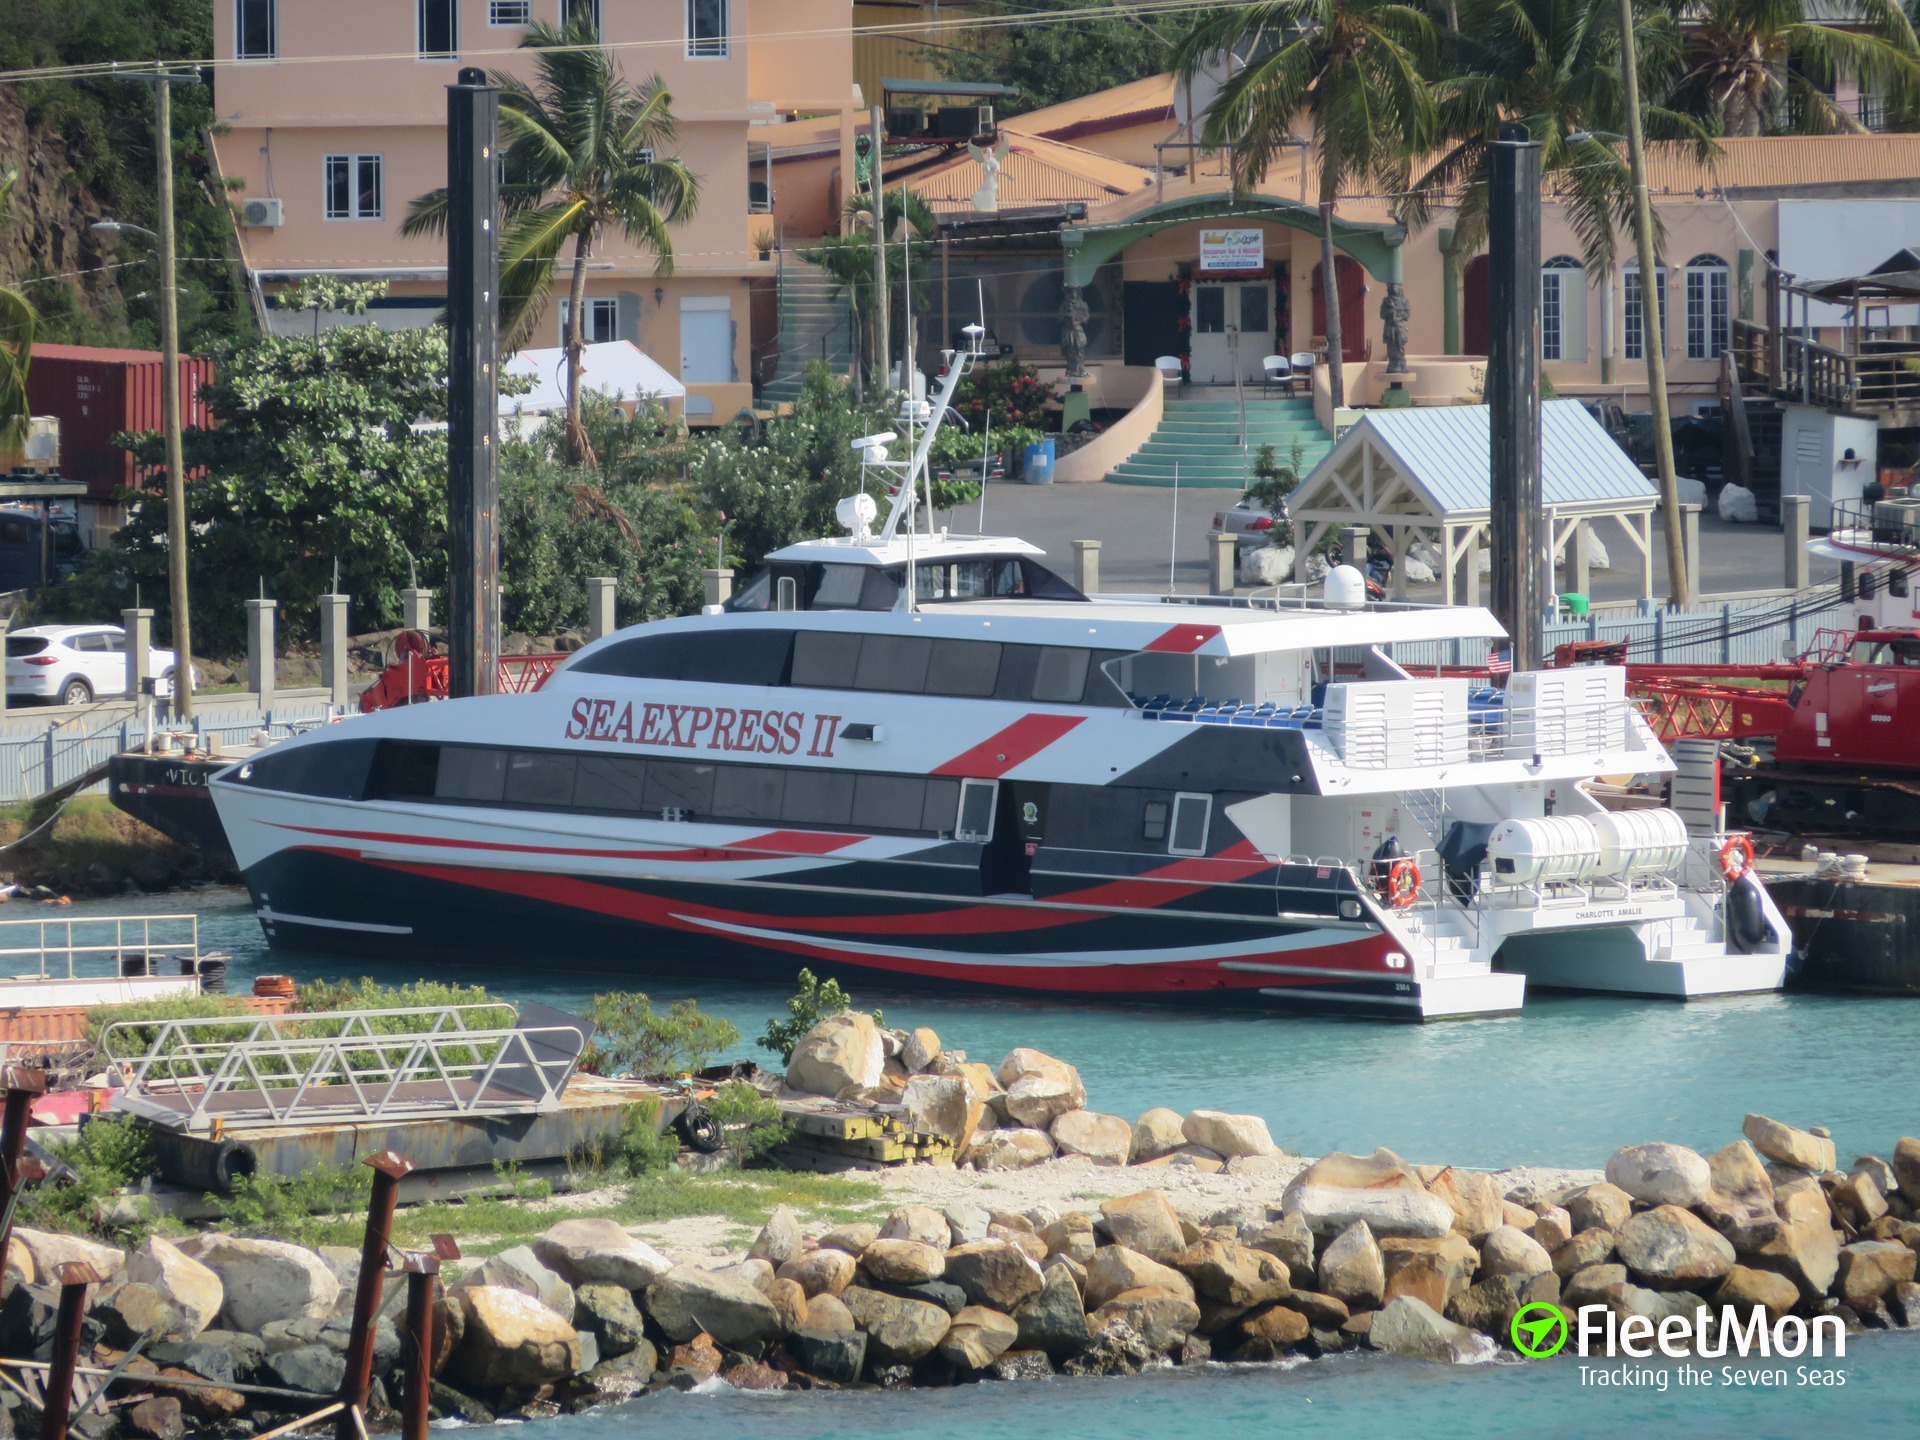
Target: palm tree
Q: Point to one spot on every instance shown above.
(1554, 67)
(1356, 67)
(1755, 65)
(848, 259)
(17, 324)
(584, 152)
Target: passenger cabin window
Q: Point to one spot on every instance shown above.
(472, 774)
(976, 810)
(1191, 814)
(825, 659)
(893, 662)
(1061, 676)
(963, 668)
(738, 657)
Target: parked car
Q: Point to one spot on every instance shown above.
(1248, 524)
(74, 664)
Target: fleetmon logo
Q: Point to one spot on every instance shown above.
(1539, 1330)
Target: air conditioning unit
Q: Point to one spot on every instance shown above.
(263, 214)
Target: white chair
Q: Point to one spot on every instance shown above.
(1274, 370)
(1302, 368)
(1169, 368)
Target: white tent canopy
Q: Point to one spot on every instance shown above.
(618, 369)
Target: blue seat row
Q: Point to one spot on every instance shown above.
(1198, 710)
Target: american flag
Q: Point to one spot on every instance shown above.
(1499, 661)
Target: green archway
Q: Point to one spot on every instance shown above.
(1376, 246)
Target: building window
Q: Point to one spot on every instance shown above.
(255, 29)
(603, 320)
(1632, 321)
(439, 29)
(707, 29)
(1709, 306)
(570, 8)
(1563, 309)
(510, 12)
(354, 189)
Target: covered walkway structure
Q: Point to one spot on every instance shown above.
(1423, 475)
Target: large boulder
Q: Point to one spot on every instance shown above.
(1039, 1088)
(821, 1272)
(609, 1314)
(944, 1105)
(518, 1268)
(994, 1272)
(903, 1262)
(852, 1237)
(1162, 1318)
(512, 1339)
(1289, 1241)
(1103, 1139)
(1145, 1221)
(1352, 1269)
(1870, 1268)
(777, 1243)
(832, 1355)
(922, 1048)
(1587, 1247)
(1478, 1206)
(1747, 1290)
(1807, 1248)
(1338, 1189)
(1234, 1274)
(1116, 1268)
(193, 1289)
(264, 1280)
(1055, 1320)
(1014, 1149)
(1116, 1349)
(1508, 1251)
(1906, 1168)
(1228, 1135)
(1436, 1271)
(977, 1337)
(47, 1250)
(586, 1251)
(899, 1330)
(1071, 1235)
(1739, 1202)
(1671, 1249)
(130, 1310)
(921, 1223)
(1783, 1143)
(1660, 1174)
(1413, 1328)
(1158, 1132)
(842, 1055)
(687, 1300)
(1604, 1206)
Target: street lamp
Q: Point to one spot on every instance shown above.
(170, 423)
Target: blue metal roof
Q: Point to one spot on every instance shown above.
(1443, 451)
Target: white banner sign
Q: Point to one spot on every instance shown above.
(1243, 249)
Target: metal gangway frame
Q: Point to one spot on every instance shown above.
(55, 937)
(242, 1072)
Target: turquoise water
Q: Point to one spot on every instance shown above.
(1564, 1084)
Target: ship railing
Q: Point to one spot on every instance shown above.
(77, 948)
(1483, 733)
(342, 1067)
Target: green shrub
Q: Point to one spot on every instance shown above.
(641, 1147)
(633, 1038)
(176, 1007)
(310, 1208)
(109, 1152)
(816, 1000)
(751, 1121)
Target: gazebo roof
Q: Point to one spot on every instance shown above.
(1432, 463)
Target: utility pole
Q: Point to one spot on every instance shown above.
(1522, 568)
(1653, 319)
(882, 341)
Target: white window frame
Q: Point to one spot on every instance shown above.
(522, 13)
(1563, 309)
(597, 306)
(567, 7)
(1181, 798)
(355, 161)
(714, 47)
(435, 57)
(977, 837)
(273, 31)
(1632, 332)
(1709, 307)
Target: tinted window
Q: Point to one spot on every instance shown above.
(610, 782)
(893, 662)
(825, 660)
(963, 667)
(839, 587)
(540, 777)
(1153, 823)
(404, 770)
(1088, 817)
(1190, 814)
(943, 801)
(748, 792)
(335, 769)
(18, 645)
(739, 657)
(1061, 676)
(818, 797)
(468, 772)
(679, 785)
(976, 810)
(889, 802)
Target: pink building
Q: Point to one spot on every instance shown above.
(336, 116)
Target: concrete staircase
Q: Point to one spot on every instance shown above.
(815, 324)
(1203, 435)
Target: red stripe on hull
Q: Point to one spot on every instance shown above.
(1015, 745)
(1184, 639)
(774, 842)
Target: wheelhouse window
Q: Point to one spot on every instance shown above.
(707, 37)
(1709, 307)
(256, 29)
(355, 187)
(439, 29)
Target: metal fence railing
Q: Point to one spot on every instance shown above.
(73, 948)
(36, 758)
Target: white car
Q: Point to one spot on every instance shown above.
(73, 664)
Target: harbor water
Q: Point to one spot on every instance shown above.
(1562, 1084)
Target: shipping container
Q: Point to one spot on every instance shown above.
(96, 394)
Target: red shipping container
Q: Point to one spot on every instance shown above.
(98, 393)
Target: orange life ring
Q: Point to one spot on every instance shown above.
(1736, 856)
(1402, 886)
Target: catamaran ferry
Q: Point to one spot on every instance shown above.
(927, 757)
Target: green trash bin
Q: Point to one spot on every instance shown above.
(1573, 603)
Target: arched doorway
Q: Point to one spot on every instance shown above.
(1352, 279)
(1474, 322)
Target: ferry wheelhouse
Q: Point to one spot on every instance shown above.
(927, 757)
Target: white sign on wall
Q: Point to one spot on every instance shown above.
(1234, 249)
